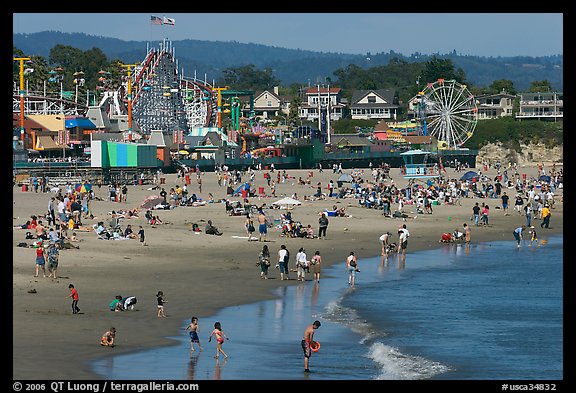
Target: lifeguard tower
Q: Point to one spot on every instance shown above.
(420, 164)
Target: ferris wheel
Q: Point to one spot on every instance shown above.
(447, 111)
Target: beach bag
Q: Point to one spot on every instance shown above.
(251, 228)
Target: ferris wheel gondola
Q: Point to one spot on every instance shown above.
(448, 111)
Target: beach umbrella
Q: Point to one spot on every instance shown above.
(469, 175)
(545, 178)
(287, 202)
(151, 201)
(345, 178)
(83, 187)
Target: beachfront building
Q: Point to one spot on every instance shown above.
(374, 104)
(318, 99)
(269, 104)
(547, 106)
(494, 106)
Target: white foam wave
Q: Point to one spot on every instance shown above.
(398, 366)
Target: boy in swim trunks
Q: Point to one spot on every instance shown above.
(194, 330)
(308, 338)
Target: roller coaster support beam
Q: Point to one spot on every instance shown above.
(22, 92)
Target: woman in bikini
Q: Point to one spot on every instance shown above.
(220, 336)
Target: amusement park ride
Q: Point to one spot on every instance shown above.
(156, 96)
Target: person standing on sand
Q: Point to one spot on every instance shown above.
(262, 225)
(476, 214)
(301, 264)
(283, 256)
(323, 225)
(220, 336)
(74, 295)
(161, 301)
(141, 235)
(306, 341)
(194, 329)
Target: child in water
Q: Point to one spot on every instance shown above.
(194, 329)
(220, 336)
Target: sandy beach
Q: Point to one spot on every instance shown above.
(198, 273)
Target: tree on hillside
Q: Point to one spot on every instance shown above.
(540, 86)
(248, 77)
(437, 68)
(502, 85)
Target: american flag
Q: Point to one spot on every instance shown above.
(169, 21)
(155, 20)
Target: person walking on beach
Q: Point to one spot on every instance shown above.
(352, 267)
(161, 301)
(74, 295)
(316, 262)
(283, 257)
(505, 199)
(53, 256)
(518, 234)
(193, 329)
(40, 259)
(546, 214)
(323, 225)
(262, 225)
(141, 235)
(301, 264)
(249, 225)
(220, 336)
(264, 261)
(306, 343)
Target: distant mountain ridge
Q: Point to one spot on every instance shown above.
(294, 65)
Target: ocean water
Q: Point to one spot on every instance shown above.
(489, 311)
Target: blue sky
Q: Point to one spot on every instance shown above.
(480, 34)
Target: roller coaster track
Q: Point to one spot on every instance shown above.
(36, 103)
(164, 100)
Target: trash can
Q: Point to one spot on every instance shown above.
(261, 190)
(24, 187)
(139, 182)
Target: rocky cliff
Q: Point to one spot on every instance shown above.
(528, 154)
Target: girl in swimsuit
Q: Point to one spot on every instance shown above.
(220, 336)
